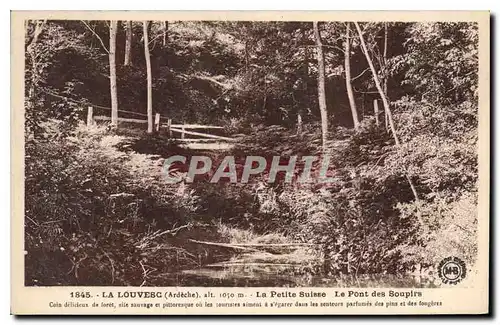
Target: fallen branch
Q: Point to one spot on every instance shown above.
(214, 80)
(223, 245)
(173, 231)
(144, 274)
(250, 264)
(177, 249)
(34, 222)
(143, 242)
(112, 266)
(77, 264)
(275, 245)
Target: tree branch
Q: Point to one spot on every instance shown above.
(93, 32)
(333, 47)
(359, 75)
(153, 39)
(215, 81)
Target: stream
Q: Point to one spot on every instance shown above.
(287, 269)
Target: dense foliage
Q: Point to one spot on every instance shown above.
(96, 200)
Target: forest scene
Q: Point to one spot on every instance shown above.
(393, 105)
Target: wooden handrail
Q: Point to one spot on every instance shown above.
(120, 119)
(179, 128)
(195, 126)
(201, 134)
(195, 140)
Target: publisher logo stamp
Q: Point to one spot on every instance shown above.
(452, 270)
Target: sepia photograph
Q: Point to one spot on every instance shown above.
(251, 153)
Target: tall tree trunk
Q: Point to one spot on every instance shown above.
(303, 98)
(321, 86)
(150, 27)
(31, 122)
(113, 26)
(247, 56)
(165, 42)
(30, 50)
(385, 58)
(350, 93)
(148, 68)
(165, 33)
(384, 101)
(128, 43)
(386, 77)
(305, 66)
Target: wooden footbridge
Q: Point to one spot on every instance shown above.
(179, 132)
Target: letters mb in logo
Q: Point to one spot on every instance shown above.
(452, 270)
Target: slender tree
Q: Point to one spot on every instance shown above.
(165, 33)
(247, 56)
(321, 85)
(384, 59)
(113, 26)
(128, 43)
(347, 63)
(386, 77)
(113, 29)
(34, 79)
(304, 100)
(32, 55)
(384, 101)
(148, 68)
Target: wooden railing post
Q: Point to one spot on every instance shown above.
(299, 125)
(157, 122)
(169, 125)
(376, 112)
(182, 133)
(90, 118)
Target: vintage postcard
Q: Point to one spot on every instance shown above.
(250, 162)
